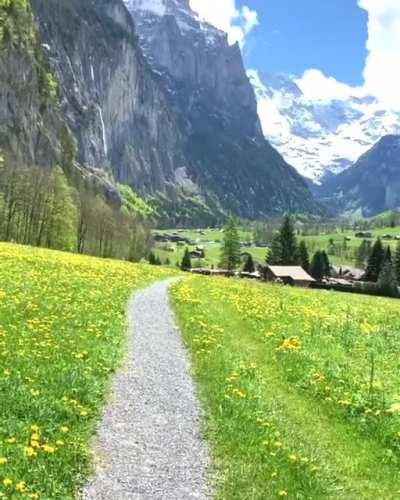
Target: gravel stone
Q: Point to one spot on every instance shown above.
(149, 444)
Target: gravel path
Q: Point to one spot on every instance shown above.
(149, 444)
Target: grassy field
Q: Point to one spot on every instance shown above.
(300, 388)
(321, 241)
(62, 327)
(210, 240)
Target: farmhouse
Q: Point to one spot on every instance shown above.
(290, 275)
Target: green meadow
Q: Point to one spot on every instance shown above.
(62, 335)
(300, 388)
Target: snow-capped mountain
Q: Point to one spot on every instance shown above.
(319, 137)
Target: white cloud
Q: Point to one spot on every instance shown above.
(382, 65)
(316, 86)
(224, 15)
(382, 68)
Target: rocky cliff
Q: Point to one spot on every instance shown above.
(206, 85)
(371, 185)
(172, 113)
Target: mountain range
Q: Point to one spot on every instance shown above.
(370, 186)
(319, 137)
(146, 94)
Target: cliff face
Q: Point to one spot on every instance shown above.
(31, 123)
(110, 99)
(206, 85)
(165, 107)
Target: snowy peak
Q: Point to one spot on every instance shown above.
(159, 7)
(318, 137)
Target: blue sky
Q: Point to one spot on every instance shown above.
(337, 48)
(295, 35)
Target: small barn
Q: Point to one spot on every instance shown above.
(289, 275)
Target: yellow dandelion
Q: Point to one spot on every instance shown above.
(48, 448)
(20, 486)
(7, 482)
(29, 451)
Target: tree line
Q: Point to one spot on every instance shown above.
(42, 207)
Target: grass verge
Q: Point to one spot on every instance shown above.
(300, 388)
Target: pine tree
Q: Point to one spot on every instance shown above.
(397, 263)
(318, 265)
(362, 254)
(375, 262)
(303, 256)
(388, 255)
(327, 264)
(230, 250)
(288, 242)
(152, 259)
(387, 282)
(249, 265)
(186, 263)
(274, 256)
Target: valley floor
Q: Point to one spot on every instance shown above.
(299, 388)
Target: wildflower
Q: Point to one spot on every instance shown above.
(48, 448)
(290, 344)
(29, 451)
(7, 482)
(11, 440)
(282, 493)
(20, 486)
(3, 460)
(278, 444)
(64, 429)
(34, 428)
(35, 392)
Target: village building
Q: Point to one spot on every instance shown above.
(289, 275)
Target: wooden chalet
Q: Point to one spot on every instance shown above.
(289, 275)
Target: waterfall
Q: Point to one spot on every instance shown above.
(103, 130)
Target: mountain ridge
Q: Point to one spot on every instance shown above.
(319, 138)
(370, 186)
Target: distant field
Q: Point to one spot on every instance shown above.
(62, 330)
(314, 243)
(208, 240)
(321, 241)
(300, 388)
